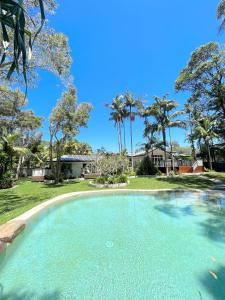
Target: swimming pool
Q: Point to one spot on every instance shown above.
(120, 246)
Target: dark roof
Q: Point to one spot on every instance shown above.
(78, 158)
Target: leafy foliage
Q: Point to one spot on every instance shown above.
(146, 167)
(111, 164)
(221, 14)
(204, 78)
(13, 20)
(77, 148)
(115, 179)
(65, 122)
(6, 180)
(41, 46)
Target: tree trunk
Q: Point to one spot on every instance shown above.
(191, 139)
(19, 165)
(57, 169)
(131, 141)
(209, 156)
(124, 135)
(120, 137)
(51, 150)
(171, 150)
(164, 142)
(193, 150)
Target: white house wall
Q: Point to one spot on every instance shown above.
(77, 168)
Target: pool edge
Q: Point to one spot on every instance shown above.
(21, 220)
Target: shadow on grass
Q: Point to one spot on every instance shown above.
(220, 176)
(10, 201)
(52, 185)
(215, 287)
(188, 181)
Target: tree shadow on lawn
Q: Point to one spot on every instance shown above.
(10, 201)
(220, 176)
(53, 186)
(188, 181)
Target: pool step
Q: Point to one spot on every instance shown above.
(10, 230)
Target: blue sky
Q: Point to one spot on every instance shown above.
(137, 44)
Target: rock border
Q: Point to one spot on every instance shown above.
(109, 186)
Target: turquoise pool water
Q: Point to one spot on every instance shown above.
(120, 246)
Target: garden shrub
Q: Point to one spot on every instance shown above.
(122, 178)
(146, 167)
(159, 173)
(101, 180)
(111, 179)
(52, 177)
(49, 177)
(130, 172)
(6, 180)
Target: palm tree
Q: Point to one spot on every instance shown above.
(172, 122)
(117, 115)
(161, 110)
(221, 14)
(189, 109)
(130, 103)
(150, 131)
(204, 130)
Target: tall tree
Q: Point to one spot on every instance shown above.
(65, 122)
(133, 105)
(162, 111)
(204, 130)
(204, 77)
(194, 112)
(17, 124)
(150, 131)
(118, 115)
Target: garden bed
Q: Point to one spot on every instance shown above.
(107, 185)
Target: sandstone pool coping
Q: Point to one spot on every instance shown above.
(11, 229)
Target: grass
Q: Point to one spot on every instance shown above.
(216, 175)
(27, 194)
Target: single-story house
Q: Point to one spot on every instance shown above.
(78, 165)
(71, 165)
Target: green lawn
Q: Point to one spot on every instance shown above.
(216, 175)
(27, 194)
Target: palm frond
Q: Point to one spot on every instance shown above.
(13, 19)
